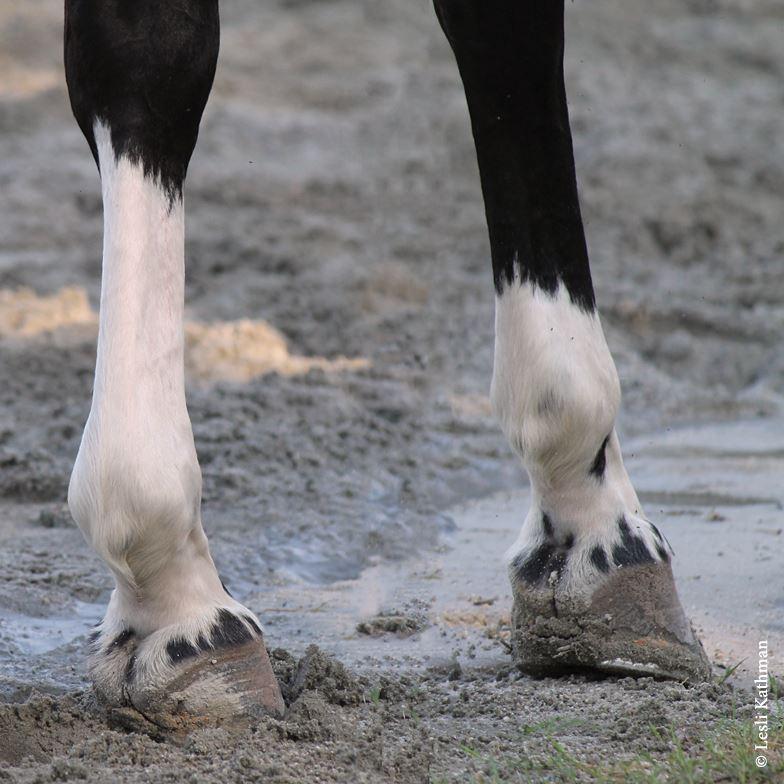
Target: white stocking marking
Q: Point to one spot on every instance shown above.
(556, 392)
(136, 487)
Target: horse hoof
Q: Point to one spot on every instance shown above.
(174, 681)
(632, 623)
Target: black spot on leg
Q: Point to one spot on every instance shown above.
(632, 550)
(253, 624)
(535, 567)
(229, 630)
(663, 554)
(600, 461)
(180, 649)
(228, 592)
(599, 559)
(540, 564)
(661, 544)
(531, 569)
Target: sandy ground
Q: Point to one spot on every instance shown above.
(357, 492)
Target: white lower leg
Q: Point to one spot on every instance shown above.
(136, 486)
(556, 392)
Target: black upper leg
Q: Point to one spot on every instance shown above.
(510, 56)
(145, 69)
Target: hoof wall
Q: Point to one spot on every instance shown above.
(632, 624)
(222, 687)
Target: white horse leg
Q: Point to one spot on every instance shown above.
(173, 641)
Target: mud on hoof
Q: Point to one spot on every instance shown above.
(613, 609)
(216, 671)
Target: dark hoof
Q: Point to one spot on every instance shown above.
(632, 624)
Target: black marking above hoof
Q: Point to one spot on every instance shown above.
(227, 631)
(661, 544)
(632, 550)
(599, 559)
(600, 461)
(256, 628)
(230, 630)
(180, 649)
(535, 567)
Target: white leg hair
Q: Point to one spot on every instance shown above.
(135, 490)
(556, 392)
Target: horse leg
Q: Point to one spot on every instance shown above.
(174, 644)
(591, 575)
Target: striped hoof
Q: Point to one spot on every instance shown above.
(180, 678)
(631, 623)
